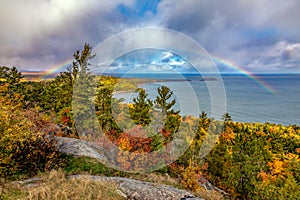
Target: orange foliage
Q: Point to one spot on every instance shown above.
(228, 134)
(277, 167)
(265, 177)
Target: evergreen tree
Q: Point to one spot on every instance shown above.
(140, 111)
(218, 161)
(226, 118)
(203, 125)
(12, 77)
(103, 104)
(34, 94)
(163, 100)
(84, 86)
(59, 91)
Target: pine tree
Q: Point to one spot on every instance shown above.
(163, 100)
(164, 95)
(140, 111)
(103, 102)
(203, 125)
(12, 77)
(84, 90)
(227, 118)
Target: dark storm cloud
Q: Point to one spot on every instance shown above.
(41, 33)
(254, 34)
(239, 31)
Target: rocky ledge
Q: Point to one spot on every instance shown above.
(133, 189)
(140, 190)
(129, 188)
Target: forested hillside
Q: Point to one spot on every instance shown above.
(249, 160)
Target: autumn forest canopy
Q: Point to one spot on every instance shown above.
(248, 160)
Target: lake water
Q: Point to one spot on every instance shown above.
(274, 98)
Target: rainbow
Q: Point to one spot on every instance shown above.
(58, 68)
(240, 70)
(62, 66)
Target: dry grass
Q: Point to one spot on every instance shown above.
(57, 187)
(211, 195)
(156, 178)
(167, 180)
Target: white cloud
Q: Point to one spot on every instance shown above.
(283, 56)
(166, 55)
(149, 60)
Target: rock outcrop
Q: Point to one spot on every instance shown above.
(76, 147)
(133, 189)
(140, 190)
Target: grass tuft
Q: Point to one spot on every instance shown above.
(55, 185)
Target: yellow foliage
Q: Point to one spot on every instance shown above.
(20, 145)
(190, 177)
(277, 167)
(260, 133)
(291, 156)
(125, 144)
(228, 134)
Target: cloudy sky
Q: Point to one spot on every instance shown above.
(150, 61)
(256, 35)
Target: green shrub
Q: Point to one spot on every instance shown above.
(282, 188)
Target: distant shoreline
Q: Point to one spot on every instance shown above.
(44, 75)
